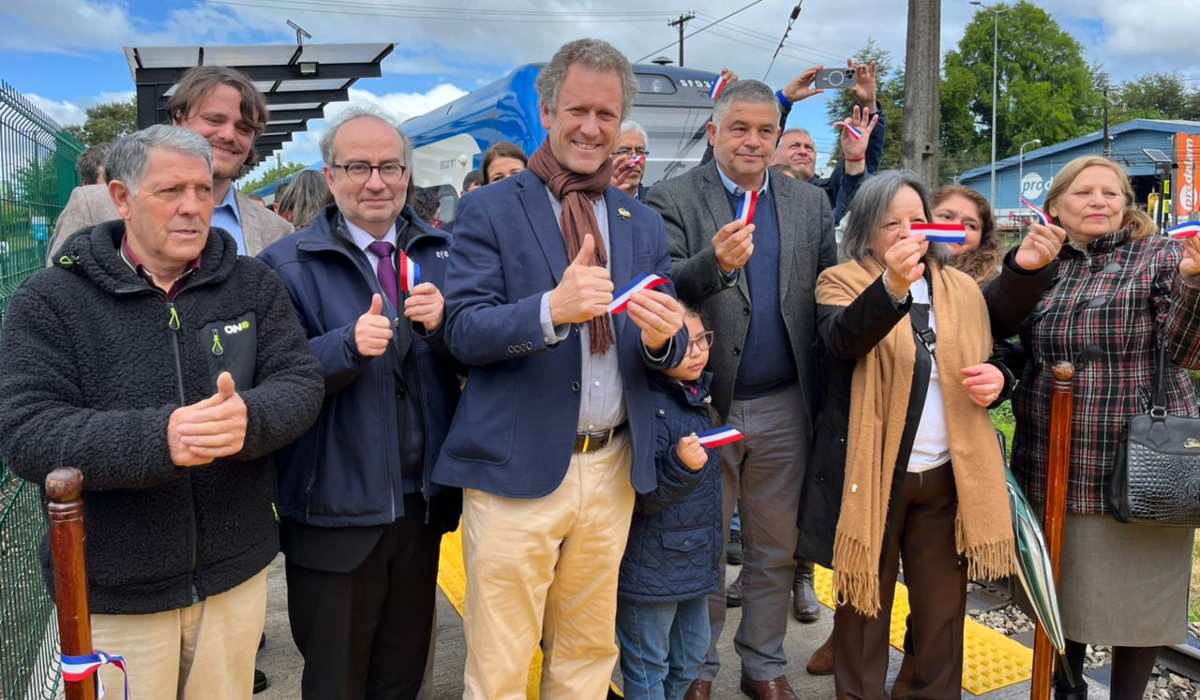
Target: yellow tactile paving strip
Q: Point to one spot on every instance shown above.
(990, 660)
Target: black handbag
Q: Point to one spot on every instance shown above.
(1156, 475)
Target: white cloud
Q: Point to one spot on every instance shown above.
(305, 145)
(62, 111)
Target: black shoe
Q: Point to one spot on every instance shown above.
(1079, 692)
(733, 550)
(733, 593)
(805, 607)
(260, 681)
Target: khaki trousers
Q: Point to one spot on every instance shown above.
(205, 650)
(545, 569)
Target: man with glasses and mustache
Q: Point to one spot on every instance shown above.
(629, 160)
(222, 105)
(361, 523)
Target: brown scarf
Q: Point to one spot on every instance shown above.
(577, 192)
(879, 397)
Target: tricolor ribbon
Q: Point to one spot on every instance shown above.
(637, 160)
(621, 299)
(856, 132)
(1188, 229)
(725, 435)
(746, 208)
(1037, 211)
(941, 233)
(409, 272)
(78, 668)
(718, 87)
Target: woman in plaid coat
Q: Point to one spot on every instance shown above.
(1120, 292)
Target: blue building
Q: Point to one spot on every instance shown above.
(1033, 176)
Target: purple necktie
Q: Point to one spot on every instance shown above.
(385, 271)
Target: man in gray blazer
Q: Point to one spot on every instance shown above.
(222, 105)
(755, 284)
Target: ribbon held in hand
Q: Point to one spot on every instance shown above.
(78, 668)
(1188, 229)
(621, 298)
(725, 435)
(718, 87)
(854, 131)
(941, 233)
(1037, 211)
(746, 208)
(409, 272)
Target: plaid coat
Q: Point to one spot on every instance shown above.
(1106, 312)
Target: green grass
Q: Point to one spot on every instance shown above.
(1002, 420)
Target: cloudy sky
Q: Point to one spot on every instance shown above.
(66, 55)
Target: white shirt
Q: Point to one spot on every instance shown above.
(362, 239)
(931, 445)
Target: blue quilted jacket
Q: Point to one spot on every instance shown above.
(674, 541)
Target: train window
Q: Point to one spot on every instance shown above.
(655, 84)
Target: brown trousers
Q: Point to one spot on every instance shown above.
(920, 529)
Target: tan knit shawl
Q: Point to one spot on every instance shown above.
(879, 397)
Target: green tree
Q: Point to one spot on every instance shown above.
(890, 94)
(1155, 96)
(270, 176)
(1047, 90)
(107, 122)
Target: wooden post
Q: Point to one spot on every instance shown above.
(63, 488)
(1059, 467)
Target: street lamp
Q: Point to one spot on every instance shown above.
(995, 55)
(1021, 165)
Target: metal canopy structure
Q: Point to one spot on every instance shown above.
(297, 80)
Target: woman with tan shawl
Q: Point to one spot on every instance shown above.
(906, 463)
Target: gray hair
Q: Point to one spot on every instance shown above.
(628, 126)
(359, 111)
(305, 196)
(129, 155)
(744, 91)
(869, 211)
(796, 130)
(590, 53)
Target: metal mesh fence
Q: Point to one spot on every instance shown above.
(37, 173)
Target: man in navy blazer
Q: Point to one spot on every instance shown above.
(556, 428)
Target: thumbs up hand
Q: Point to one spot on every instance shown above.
(585, 290)
(373, 330)
(209, 429)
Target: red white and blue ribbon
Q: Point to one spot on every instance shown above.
(409, 273)
(621, 299)
(856, 132)
(746, 208)
(1037, 211)
(725, 435)
(718, 87)
(941, 233)
(78, 668)
(1188, 229)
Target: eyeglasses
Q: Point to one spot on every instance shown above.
(625, 150)
(700, 343)
(360, 171)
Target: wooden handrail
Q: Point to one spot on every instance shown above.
(64, 488)
(1058, 469)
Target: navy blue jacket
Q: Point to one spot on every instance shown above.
(674, 549)
(514, 431)
(345, 471)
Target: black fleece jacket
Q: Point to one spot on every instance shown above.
(93, 360)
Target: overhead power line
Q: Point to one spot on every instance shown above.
(450, 14)
(710, 24)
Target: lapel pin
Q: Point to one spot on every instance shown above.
(624, 213)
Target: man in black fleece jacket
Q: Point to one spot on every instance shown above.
(167, 369)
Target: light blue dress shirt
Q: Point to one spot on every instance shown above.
(226, 215)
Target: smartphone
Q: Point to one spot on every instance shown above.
(835, 79)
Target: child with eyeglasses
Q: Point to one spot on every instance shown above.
(673, 554)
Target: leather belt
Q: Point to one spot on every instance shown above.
(591, 442)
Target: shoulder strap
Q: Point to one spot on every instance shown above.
(1158, 405)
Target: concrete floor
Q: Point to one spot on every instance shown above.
(282, 663)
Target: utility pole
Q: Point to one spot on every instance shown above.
(679, 22)
(1107, 141)
(922, 98)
